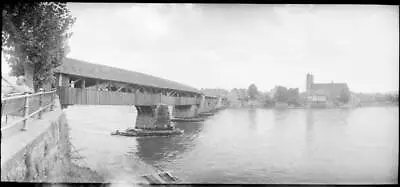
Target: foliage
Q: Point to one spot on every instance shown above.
(344, 96)
(281, 94)
(36, 33)
(252, 92)
(395, 98)
(268, 100)
(17, 69)
(293, 96)
(392, 98)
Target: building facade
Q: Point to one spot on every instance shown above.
(238, 98)
(324, 94)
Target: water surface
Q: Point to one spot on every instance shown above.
(329, 146)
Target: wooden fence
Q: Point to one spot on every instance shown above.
(23, 107)
(79, 96)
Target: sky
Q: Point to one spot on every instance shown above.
(234, 45)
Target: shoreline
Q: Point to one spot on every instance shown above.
(80, 172)
(74, 174)
(304, 107)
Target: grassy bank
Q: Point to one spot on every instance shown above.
(69, 170)
(83, 174)
(74, 174)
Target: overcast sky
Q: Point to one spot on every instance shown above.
(231, 46)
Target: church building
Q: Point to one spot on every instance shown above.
(323, 94)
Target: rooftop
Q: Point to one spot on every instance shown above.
(332, 88)
(85, 69)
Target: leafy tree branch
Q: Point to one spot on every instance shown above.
(36, 33)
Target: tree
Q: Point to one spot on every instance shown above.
(36, 33)
(252, 92)
(281, 94)
(268, 100)
(392, 98)
(293, 96)
(344, 96)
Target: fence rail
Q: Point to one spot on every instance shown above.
(23, 107)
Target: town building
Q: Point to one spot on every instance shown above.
(323, 94)
(237, 97)
(215, 92)
(218, 92)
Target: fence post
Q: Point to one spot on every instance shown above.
(52, 101)
(40, 105)
(26, 113)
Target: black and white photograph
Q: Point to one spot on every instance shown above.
(136, 94)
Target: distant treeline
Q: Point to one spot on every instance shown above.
(378, 97)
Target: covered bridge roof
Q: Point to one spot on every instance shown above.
(85, 69)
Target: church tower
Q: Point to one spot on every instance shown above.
(309, 82)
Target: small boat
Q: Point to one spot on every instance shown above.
(187, 119)
(148, 132)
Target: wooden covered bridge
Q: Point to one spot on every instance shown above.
(84, 83)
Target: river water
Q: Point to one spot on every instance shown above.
(332, 146)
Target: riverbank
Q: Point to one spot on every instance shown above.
(75, 174)
(74, 169)
(322, 107)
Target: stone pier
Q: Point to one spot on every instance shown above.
(152, 117)
(203, 105)
(207, 105)
(219, 104)
(211, 105)
(185, 111)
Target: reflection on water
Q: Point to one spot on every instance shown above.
(280, 115)
(309, 128)
(253, 118)
(255, 146)
(162, 149)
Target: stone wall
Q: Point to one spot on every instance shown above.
(46, 152)
(152, 117)
(185, 111)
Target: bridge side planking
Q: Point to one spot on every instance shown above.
(79, 96)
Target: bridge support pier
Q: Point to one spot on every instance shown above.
(64, 106)
(152, 117)
(213, 108)
(185, 111)
(203, 105)
(206, 105)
